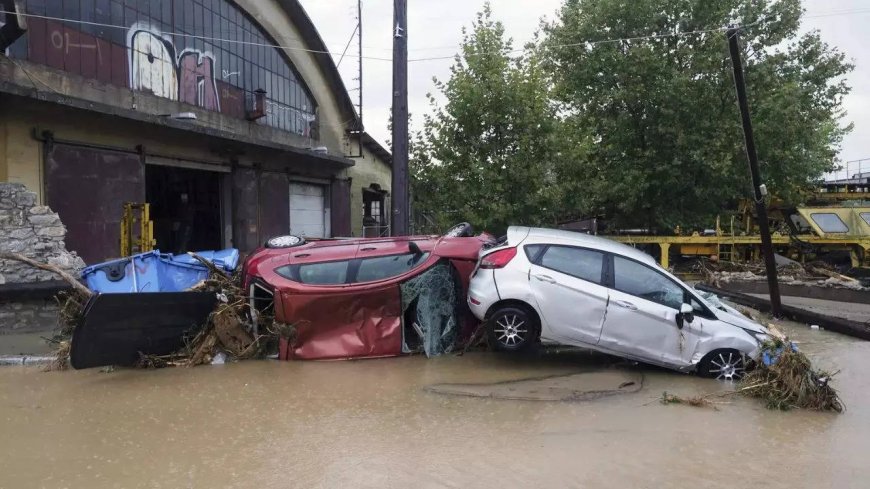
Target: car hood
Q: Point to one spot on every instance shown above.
(729, 315)
(740, 321)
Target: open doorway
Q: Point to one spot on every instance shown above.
(185, 208)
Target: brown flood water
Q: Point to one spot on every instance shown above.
(376, 424)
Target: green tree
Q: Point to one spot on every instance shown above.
(485, 156)
(654, 122)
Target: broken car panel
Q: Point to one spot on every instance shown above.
(369, 297)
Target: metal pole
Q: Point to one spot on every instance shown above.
(752, 156)
(400, 208)
(362, 126)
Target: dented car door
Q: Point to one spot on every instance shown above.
(642, 314)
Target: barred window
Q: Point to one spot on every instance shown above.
(206, 53)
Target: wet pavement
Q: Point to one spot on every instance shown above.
(378, 423)
(847, 310)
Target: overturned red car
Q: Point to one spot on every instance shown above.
(368, 297)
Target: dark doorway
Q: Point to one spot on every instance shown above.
(185, 208)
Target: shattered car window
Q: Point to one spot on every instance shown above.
(379, 268)
(635, 279)
(577, 262)
(434, 299)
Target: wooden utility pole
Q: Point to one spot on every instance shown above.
(758, 189)
(399, 200)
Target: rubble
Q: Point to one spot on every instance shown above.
(817, 274)
(785, 379)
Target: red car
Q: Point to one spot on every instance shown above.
(368, 297)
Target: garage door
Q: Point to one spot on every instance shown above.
(308, 215)
(88, 188)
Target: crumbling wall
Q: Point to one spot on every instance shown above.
(36, 232)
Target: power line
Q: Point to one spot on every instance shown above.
(374, 58)
(181, 34)
(355, 29)
(423, 59)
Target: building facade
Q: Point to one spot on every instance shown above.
(228, 117)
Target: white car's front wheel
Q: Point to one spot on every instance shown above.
(512, 328)
(726, 364)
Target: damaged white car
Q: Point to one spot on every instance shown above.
(574, 289)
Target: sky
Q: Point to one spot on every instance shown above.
(435, 29)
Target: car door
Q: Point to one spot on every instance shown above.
(641, 320)
(567, 282)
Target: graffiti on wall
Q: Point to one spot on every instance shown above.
(188, 76)
(147, 57)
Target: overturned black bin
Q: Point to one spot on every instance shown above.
(116, 328)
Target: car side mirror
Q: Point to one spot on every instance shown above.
(686, 315)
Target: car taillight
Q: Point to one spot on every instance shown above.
(498, 259)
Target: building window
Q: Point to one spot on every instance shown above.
(206, 53)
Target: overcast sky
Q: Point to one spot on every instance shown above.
(435, 30)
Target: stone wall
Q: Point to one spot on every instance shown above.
(36, 232)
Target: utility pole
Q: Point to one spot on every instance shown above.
(399, 199)
(758, 189)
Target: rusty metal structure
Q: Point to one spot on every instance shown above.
(801, 233)
(137, 229)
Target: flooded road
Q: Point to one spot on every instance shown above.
(375, 423)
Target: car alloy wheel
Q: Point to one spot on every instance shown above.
(511, 329)
(287, 241)
(728, 365)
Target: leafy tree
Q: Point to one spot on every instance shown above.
(654, 127)
(486, 155)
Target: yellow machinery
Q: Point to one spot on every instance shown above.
(136, 239)
(803, 231)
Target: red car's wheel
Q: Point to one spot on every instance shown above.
(288, 241)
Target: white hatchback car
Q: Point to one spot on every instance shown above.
(574, 289)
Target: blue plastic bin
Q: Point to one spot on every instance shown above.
(155, 272)
(227, 259)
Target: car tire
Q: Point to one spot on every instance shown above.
(284, 241)
(512, 328)
(461, 230)
(725, 364)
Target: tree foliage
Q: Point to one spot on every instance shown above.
(484, 156)
(601, 119)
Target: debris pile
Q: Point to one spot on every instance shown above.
(816, 273)
(785, 379)
(228, 333)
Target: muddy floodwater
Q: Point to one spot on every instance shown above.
(385, 423)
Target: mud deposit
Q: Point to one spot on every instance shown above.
(378, 423)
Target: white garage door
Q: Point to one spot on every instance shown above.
(308, 213)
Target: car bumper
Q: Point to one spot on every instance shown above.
(482, 293)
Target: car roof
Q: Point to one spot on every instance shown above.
(580, 239)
